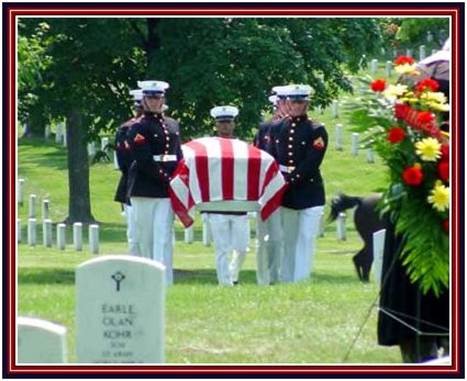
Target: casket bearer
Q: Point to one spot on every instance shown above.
(269, 233)
(156, 149)
(124, 160)
(230, 230)
(299, 145)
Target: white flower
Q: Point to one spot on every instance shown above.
(394, 91)
(406, 69)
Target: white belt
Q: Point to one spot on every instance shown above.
(286, 169)
(165, 158)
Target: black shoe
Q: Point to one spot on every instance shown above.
(235, 283)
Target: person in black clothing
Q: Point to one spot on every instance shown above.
(156, 150)
(123, 152)
(299, 145)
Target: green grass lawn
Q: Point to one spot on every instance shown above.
(311, 322)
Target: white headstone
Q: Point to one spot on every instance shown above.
(31, 231)
(58, 134)
(47, 132)
(21, 191)
(409, 52)
(78, 236)
(378, 251)
(370, 155)
(19, 233)
(339, 137)
(94, 239)
(373, 66)
(206, 231)
(61, 236)
(104, 144)
(41, 342)
(429, 37)
(189, 234)
(116, 161)
(422, 52)
(322, 224)
(388, 68)
(91, 149)
(335, 109)
(355, 137)
(45, 209)
(32, 205)
(341, 233)
(120, 310)
(47, 233)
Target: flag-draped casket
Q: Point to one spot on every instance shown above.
(225, 172)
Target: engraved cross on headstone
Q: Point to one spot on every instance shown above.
(118, 277)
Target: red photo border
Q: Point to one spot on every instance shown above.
(11, 11)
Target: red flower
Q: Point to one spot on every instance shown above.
(443, 170)
(424, 117)
(396, 135)
(413, 175)
(401, 60)
(401, 110)
(378, 85)
(445, 152)
(446, 225)
(427, 83)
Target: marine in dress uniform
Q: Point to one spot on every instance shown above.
(299, 145)
(269, 243)
(124, 159)
(230, 230)
(156, 149)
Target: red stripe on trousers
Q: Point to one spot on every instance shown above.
(202, 168)
(254, 168)
(227, 165)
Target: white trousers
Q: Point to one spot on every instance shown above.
(269, 248)
(229, 233)
(131, 230)
(300, 229)
(153, 221)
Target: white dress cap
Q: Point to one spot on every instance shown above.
(280, 91)
(224, 112)
(137, 94)
(153, 87)
(298, 91)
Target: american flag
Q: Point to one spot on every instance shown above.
(218, 169)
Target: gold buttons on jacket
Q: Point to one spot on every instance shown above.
(292, 131)
(290, 145)
(291, 138)
(293, 124)
(290, 153)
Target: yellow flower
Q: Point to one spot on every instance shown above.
(394, 91)
(437, 97)
(406, 69)
(429, 149)
(439, 197)
(437, 106)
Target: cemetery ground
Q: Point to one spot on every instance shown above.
(314, 321)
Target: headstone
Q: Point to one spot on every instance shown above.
(370, 155)
(116, 161)
(61, 236)
(433, 51)
(341, 233)
(78, 236)
(189, 235)
(373, 66)
(339, 137)
(429, 37)
(206, 232)
(91, 149)
(47, 132)
(19, 233)
(388, 69)
(58, 134)
(422, 54)
(45, 209)
(104, 144)
(94, 239)
(322, 224)
(378, 251)
(41, 342)
(47, 233)
(21, 191)
(355, 137)
(32, 232)
(32, 205)
(120, 310)
(64, 137)
(335, 109)
(409, 52)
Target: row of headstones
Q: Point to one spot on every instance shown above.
(115, 322)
